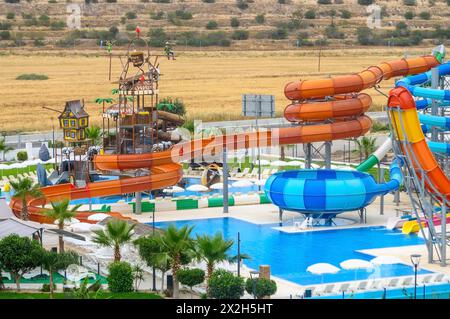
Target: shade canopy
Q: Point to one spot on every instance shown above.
(11, 226)
(262, 161)
(322, 268)
(217, 186)
(197, 188)
(173, 189)
(356, 264)
(98, 217)
(386, 260)
(295, 163)
(242, 183)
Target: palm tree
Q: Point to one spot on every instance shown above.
(4, 148)
(214, 249)
(24, 188)
(117, 233)
(177, 243)
(103, 100)
(61, 212)
(94, 133)
(52, 262)
(366, 146)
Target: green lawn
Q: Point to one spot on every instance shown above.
(60, 295)
(16, 171)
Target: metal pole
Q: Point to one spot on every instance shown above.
(239, 255)
(381, 180)
(444, 234)
(225, 180)
(415, 281)
(308, 158)
(328, 155)
(54, 149)
(138, 209)
(153, 268)
(258, 113)
(434, 105)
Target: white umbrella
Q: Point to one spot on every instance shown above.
(356, 264)
(242, 183)
(322, 269)
(260, 182)
(262, 161)
(173, 189)
(295, 163)
(217, 186)
(278, 163)
(197, 188)
(386, 260)
(98, 217)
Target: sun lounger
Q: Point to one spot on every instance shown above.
(244, 172)
(328, 289)
(342, 288)
(362, 285)
(424, 279)
(75, 273)
(408, 281)
(266, 172)
(438, 278)
(273, 171)
(6, 275)
(233, 172)
(35, 272)
(254, 172)
(375, 284)
(393, 282)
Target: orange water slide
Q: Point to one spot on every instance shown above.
(408, 130)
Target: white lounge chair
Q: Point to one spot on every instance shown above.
(6, 275)
(438, 278)
(362, 285)
(342, 288)
(75, 273)
(244, 172)
(266, 172)
(408, 281)
(35, 272)
(234, 171)
(328, 289)
(393, 282)
(375, 284)
(254, 172)
(424, 279)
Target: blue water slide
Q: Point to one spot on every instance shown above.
(327, 191)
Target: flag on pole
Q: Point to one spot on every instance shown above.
(138, 31)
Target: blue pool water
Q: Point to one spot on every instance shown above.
(290, 254)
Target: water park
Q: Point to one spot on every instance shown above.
(314, 205)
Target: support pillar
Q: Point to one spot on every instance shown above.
(308, 154)
(225, 180)
(444, 234)
(328, 154)
(138, 209)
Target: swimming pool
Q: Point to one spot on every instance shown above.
(289, 254)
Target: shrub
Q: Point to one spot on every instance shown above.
(345, 14)
(333, 32)
(191, 277)
(208, 1)
(44, 20)
(171, 105)
(5, 35)
(131, 15)
(22, 156)
(39, 42)
(157, 15)
(12, 1)
(161, 1)
(212, 25)
(234, 22)
(224, 285)
(130, 27)
(365, 36)
(323, 1)
(5, 26)
(10, 15)
(260, 19)
(242, 4)
(46, 287)
(111, 1)
(158, 37)
(365, 2)
(283, 1)
(183, 14)
(263, 287)
(310, 14)
(425, 15)
(32, 76)
(321, 42)
(114, 30)
(120, 278)
(409, 2)
(409, 15)
(240, 35)
(57, 25)
(279, 34)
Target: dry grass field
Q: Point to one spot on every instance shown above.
(210, 83)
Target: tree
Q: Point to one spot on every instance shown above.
(211, 25)
(60, 211)
(234, 22)
(171, 105)
(409, 15)
(138, 276)
(366, 146)
(224, 285)
(214, 249)
(153, 252)
(263, 287)
(19, 255)
(310, 14)
(120, 278)
(260, 18)
(94, 133)
(191, 277)
(176, 243)
(24, 188)
(4, 148)
(117, 233)
(52, 262)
